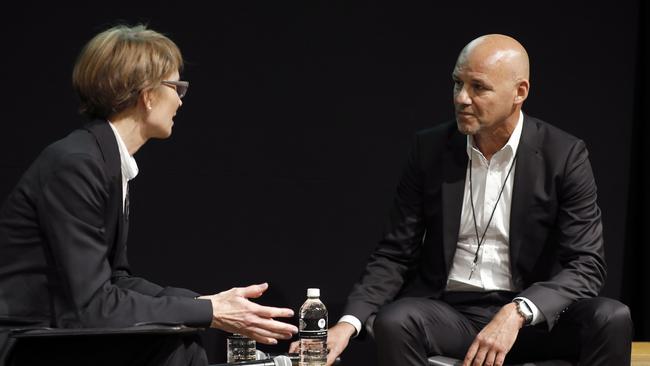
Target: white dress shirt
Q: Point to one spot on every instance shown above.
(488, 178)
(127, 162)
(493, 267)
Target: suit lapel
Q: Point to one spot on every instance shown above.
(107, 144)
(528, 166)
(453, 186)
(105, 138)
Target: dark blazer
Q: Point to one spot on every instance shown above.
(63, 257)
(556, 242)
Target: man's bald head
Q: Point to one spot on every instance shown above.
(497, 50)
(490, 84)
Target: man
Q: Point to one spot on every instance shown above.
(494, 248)
(63, 229)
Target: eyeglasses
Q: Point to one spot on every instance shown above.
(180, 86)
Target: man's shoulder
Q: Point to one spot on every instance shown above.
(439, 136)
(549, 129)
(535, 129)
(547, 137)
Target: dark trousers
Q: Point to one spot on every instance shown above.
(596, 331)
(113, 350)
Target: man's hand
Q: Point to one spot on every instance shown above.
(496, 339)
(233, 312)
(338, 337)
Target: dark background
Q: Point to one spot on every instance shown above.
(289, 145)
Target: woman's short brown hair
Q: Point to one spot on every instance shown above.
(117, 64)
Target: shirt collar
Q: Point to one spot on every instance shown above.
(511, 145)
(129, 166)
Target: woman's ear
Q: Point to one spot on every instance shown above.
(147, 98)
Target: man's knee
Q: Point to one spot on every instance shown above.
(615, 314)
(390, 319)
(605, 313)
(398, 320)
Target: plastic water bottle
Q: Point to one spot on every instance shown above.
(240, 348)
(313, 330)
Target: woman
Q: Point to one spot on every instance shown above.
(63, 229)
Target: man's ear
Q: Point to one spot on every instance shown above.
(521, 90)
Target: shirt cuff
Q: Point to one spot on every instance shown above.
(351, 319)
(538, 317)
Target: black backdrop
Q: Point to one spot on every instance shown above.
(288, 147)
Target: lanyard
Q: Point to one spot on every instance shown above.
(471, 199)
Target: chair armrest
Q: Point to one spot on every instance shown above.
(144, 328)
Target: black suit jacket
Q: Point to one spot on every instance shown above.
(63, 257)
(556, 242)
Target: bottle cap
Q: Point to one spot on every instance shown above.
(313, 292)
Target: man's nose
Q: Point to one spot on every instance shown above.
(461, 97)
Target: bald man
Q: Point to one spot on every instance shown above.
(494, 247)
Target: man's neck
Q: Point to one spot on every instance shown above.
(490, 141)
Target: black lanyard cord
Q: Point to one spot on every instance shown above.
(471, 199)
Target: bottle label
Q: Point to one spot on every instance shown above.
(313, 328)
(240, 348)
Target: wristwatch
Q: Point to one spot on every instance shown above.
(524, 310)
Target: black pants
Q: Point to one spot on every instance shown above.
(593, 332)
(113, 350)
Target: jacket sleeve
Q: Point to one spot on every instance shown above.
(71, 211)
(121, 277)
(579, 240)
(398, 250)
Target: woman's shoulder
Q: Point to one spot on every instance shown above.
(79, 144)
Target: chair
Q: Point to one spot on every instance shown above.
(27, 343)
(448, 361)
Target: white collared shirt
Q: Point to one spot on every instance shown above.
(493, 267)
(127, 163)
(488, 178)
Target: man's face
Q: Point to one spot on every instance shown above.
(484, 93)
